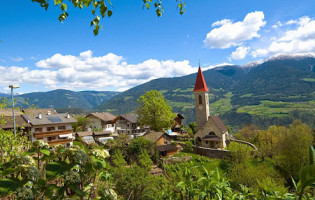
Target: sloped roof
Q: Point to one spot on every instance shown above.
(219, 123)
(102, 133)
(84, 133)
(8, 112)
(200, 85)
(179, 116)
(167, 147)
(104, 116)
(58, 118)
(133, 118)
(153, 136)
(35, 112)
(19, 121)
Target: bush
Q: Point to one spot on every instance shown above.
(188, 147)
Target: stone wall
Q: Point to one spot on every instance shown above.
(211, 153)
(173, 160)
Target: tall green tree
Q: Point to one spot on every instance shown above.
(293, 148)
(153, 110)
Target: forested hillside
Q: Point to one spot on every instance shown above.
(273, 92)
(58, 99)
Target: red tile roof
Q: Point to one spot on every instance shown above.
(200, 85)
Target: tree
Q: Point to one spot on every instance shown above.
(144, 160)
(11, 144)
(101, 8)
(80, 124)
(268, 141)
(154, 111)
(247, 133)
(293, 148)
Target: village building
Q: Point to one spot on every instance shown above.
(102, 136)
(128, 124)
(177, 127)
(211, 131)
(85, 137)
(49, 126)
(6, 119)
(100, 121)
(163, 142)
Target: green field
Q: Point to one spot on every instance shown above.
(223, 105)
(276, 108)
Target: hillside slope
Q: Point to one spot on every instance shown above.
(273, 92)
(65, 99)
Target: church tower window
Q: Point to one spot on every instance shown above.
(200, 99)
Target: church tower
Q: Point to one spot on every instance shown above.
(201, 100)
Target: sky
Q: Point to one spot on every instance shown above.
(135, 46)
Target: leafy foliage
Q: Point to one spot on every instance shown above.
(63, 173)
(154, 111)
(101, 9)
(264, 95)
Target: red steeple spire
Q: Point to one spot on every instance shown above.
(200, 85)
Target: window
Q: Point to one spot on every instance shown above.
(50, 138)
(52, 128)
(61, 127)
(200, 99)
(38, 130)
(211, 133)
(165, 141)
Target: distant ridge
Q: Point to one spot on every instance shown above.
(239, 94)
(65, 99)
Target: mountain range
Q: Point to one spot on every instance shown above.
(274, 91)
(64, 100)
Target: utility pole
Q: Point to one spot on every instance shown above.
(12, 87)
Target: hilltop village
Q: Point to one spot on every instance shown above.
(150, 155)
(99, 127)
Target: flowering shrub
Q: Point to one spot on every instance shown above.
(23, 193)
(101, 154)
(71, 177)
(40, 144)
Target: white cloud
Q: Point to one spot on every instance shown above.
(298, 39)
(228, 34)
(16, 59)
(240, 53)
(108, 72)
(277, 25)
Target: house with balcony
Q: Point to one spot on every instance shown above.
(50, 126)
(128, 124)
(100, 121)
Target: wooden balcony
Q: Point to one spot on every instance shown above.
(51, 133)
(55, 142)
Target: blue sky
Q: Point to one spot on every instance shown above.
(135, 46)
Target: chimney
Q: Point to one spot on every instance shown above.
(39, 116)
(48, 112)
(68, 116)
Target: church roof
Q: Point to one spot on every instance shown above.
(219, 123)
(200, 85)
